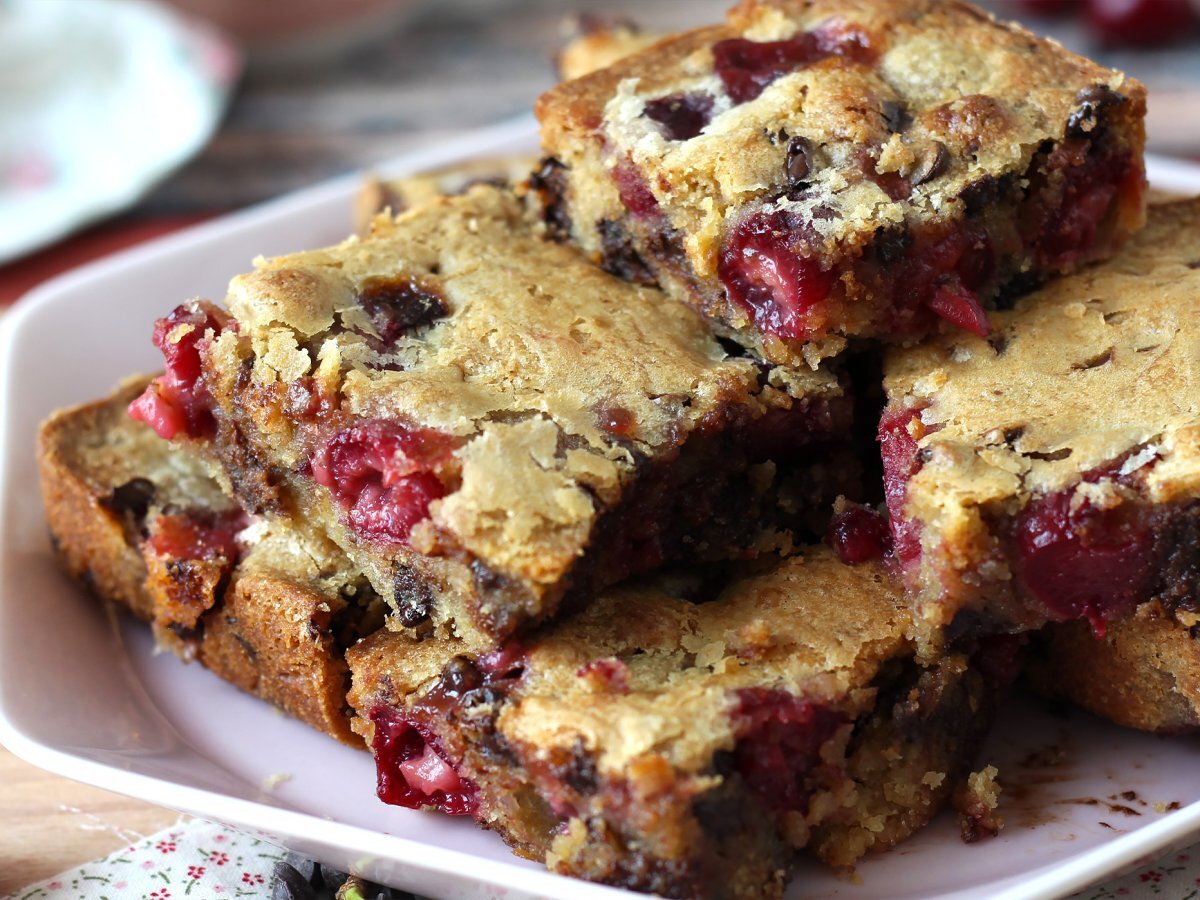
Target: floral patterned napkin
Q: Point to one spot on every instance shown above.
(196, 859)
(206, 861)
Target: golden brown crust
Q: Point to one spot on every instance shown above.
(1086, 369)
(271, 626)
(1144, 672)
(276, 639)
(399, 194)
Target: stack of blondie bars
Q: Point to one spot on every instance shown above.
(689, 497)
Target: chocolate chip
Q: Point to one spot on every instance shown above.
(890, 245)
(548, 185)
(618, 256)
(578, 771)
(896, 116)
(459, 676)
(986, 191)
(1092, 101)
(398, 304)
(933, 162)
(412, 597)
(799, 162)
(133, 499)
(288, 884)
(1014, 434)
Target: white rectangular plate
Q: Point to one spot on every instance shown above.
(86, 697)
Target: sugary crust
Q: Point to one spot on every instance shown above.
(776, 629)
(269, 626)
(1083, 371)
(990, 90)
(399, 194)
(685, 660)
(537, 353)
(1143, 673)
(990, 93)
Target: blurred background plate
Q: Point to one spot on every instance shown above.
(98, 102)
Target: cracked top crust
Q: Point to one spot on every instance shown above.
(929, 72)
(1093, 368)
(555, 379)
(399, 194)
(682, 663)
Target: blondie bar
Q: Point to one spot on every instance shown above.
(489, 425)
(818, 170)
(1143, 673)
(1052, 470)
(684, 735)
(262, 605)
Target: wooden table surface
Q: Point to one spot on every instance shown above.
(48, 823)
(456, 64)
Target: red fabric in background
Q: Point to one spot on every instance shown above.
(22, 275)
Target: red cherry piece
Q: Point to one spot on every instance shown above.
(959, 306)
(1142, 22)
(389, 513)
(177, 402)
(901, 462)
(382, 471)
(859, 534)
(1071, 233)
(779, 740)
(158, 412)
(682, 116)
(1084, 562)
(762, 274)
(410, 770)
(198, 535)
(634, 192)
(747, 67)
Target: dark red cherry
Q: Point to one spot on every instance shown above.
(762, 274)
(1142, 22)
(682, 116)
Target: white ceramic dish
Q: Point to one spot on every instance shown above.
(86, 697)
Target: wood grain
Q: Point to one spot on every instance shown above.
(48, 823)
